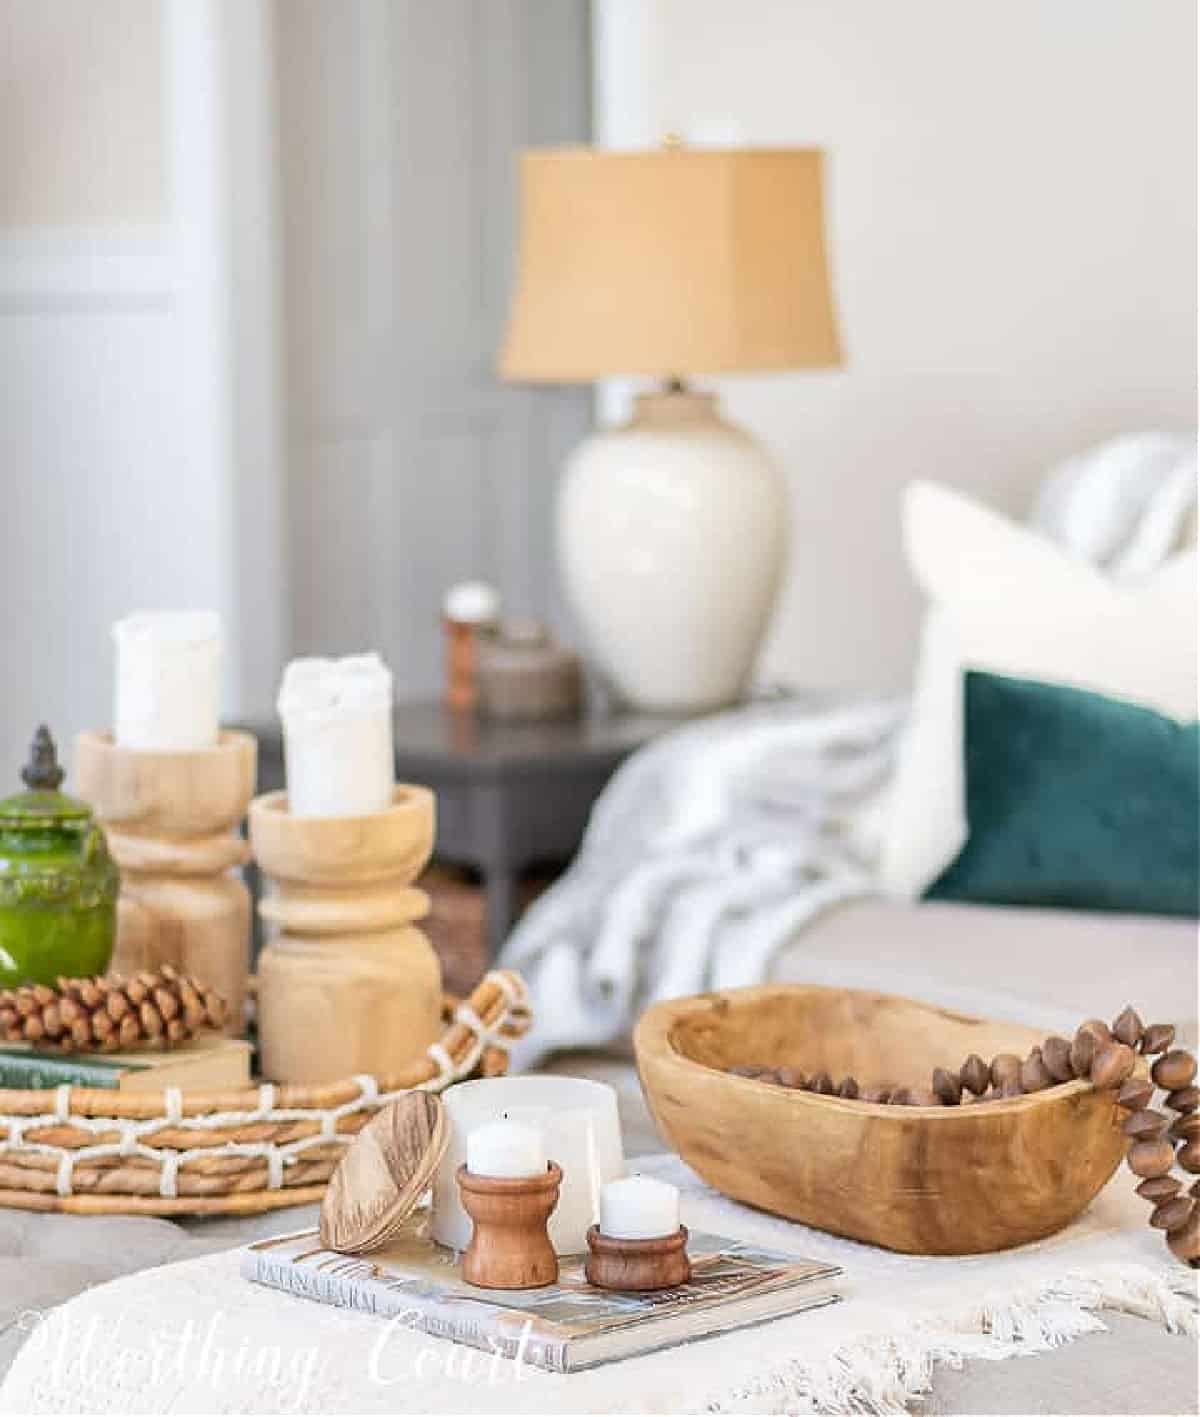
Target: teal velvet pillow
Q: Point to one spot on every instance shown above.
(1075, 799)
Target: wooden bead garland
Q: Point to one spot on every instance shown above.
(1108, 1058)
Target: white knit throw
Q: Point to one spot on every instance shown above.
(196, 1337)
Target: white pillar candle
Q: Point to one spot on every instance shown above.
(639, 1208)
(472, 603)
(168, 680)
(580, 1130)
(506, 1149)
(337, 736)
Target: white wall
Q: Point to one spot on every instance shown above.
(1013, 224)
(137, 351)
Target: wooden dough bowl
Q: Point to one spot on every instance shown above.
(925, 1180)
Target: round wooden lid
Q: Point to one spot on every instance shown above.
(386, 1170)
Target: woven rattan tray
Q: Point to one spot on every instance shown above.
(95, 1151)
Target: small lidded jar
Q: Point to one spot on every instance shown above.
(58, 884)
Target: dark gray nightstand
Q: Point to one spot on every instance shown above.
(509, 795)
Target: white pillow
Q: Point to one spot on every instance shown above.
(1005, 599)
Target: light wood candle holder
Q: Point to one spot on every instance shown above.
(509, 1247)
(347, 984)
(170, 819)
(637, 1265)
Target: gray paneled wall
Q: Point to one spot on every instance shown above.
(409, 467)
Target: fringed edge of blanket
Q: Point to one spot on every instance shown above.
(881, 1375)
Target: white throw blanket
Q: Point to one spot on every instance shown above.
(716, 843)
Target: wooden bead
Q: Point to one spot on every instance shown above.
(1147, 1123)
(1099, 1029)
(1151, 1158)
(1112, 1065)
(1127, 1027)
(1035, 1076)
(1159, 1188)
(848, 1087)
(1135, 1093)
(1183, 1099)
(1004, 1066)
(1184, 1243)
(974, 1075)
(1158, 1038)
(947, 1086)
(1189, 1156)
(1056, 1054)
(1171, 1214)
(875, 1094)
(923, 1097)
(901, 1097)
(1083, 1050)
(1174, 1070)
(790, 1077)
(1186, 1127)
(821, 1083)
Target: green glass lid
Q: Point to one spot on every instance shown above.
(42, 804)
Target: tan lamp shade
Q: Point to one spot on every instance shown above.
(674, 262)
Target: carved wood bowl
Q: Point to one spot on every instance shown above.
(925, 1180)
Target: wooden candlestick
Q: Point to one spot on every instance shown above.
(347, 984)
(170, 819)
(637, 1265)
(509, 1247)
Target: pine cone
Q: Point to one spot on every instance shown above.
(110, 1014)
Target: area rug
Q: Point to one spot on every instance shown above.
(195, 1337)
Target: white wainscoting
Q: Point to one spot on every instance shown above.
(139, 402)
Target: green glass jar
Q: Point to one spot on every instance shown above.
(58, 884)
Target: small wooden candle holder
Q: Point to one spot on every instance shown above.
(170, 819)
(509, 1247)
(637, 1265)
(347, 983)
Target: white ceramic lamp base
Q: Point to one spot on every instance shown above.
(672, 533)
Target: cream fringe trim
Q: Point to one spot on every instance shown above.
(882, 1375)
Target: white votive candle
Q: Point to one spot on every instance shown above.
(639, 1208)
(577, 1119)
(168, 680)
(506, 1149)
(337, 736)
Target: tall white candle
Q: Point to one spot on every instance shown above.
(168, 680)
(578, 1122)
(337, 736)
(639, 1208)
(506, 1149)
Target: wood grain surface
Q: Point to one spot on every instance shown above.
(927, 1180)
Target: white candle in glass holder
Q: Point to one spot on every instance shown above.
(337, 736)
(639, 1208)
(578, 1122)
(506, 1149)
(168, 680)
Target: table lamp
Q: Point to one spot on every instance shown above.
(672, 530)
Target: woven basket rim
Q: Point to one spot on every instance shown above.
(490, 997)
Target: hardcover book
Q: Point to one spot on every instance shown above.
(210, 1063)
(564, 1327)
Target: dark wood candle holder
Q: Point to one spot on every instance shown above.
(637, 1265)
(509, 1247)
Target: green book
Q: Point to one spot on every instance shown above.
(210, 1063)
(22, 1068)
